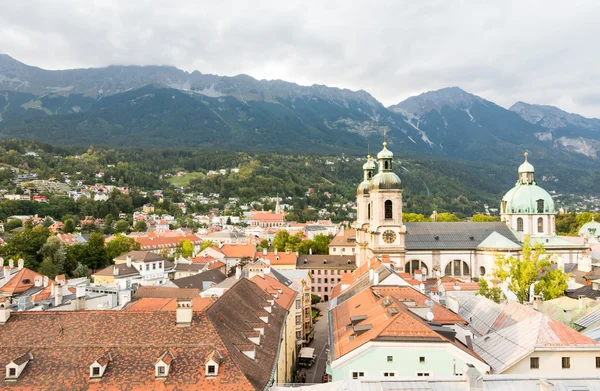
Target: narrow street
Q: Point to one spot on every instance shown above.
(319, 343)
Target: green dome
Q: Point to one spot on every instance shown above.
(590, 229)
(385, 153)
(523, 199)
(363, 188)
(386, 181)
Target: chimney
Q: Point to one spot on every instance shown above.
(537, 303)
(4, 310)
(6, 273)
(288, 251)
(472, 375)
(80, 298)
(57, 295)
(275, 252)
(45, 281)
(238, 272)
(184, 313)
(371, 274)
(375, 278)
(128, 259)
(115, 270)
(11, 263)
(297, 253)
(265, 252)
(310, 251)
(582, 302)
(21, 263)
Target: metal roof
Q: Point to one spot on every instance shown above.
(453, 236)
(589, 319)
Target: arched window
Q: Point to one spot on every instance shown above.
(503, 206)
(386, 165)
(414, 265)
(369, 175)
(540, 206)
(520, 224)
(369, 211)
(540, 225)
(457, 268)
(482, 271)
(388, 209)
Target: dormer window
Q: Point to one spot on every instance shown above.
(16, 366)
(99, 366)
(540, 206)
(213, 360)
(162, 366)
(211, 370)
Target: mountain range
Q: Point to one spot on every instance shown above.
(162, 106)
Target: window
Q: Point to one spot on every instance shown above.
(12, 372)
(147, 267)
(422, 360)
(298, 319)
(390, 358)
(298, 334)
(325, 280)
(454, 268)
(482, 271)
(160, 265)
(325, 289)
(319, 289)
(319, 271)
(338, 272)
(312, 288)
(298, 304)
(566, 362)
(386, 165)
(534, 363)
(27, 281)
(312, 272)
(334, 249)
(95, 371)
(356, 375)
(412, 266)
(161, 370)
(540, 206)
(597, 362)
(389, 374)
(211, 369)
(388, 209)
(325, 272)
(339, 280)
(319, 280)
(520, 224)
(369, 211)
(540, 225)
(154, 266)
(423, 374)
(312, 280)
(343, 250)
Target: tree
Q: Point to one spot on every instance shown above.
(315, 299)
(480, 218)
(53, 251)
(109, 220)
(187, 248)
(228, 222)
(414, 218)
(48, 268)
(81, 271)
(26, 244)
(95, 255)
(12, 224)
(120, 245)
(521, 273)
(447, 217)
(69, 226)
(205, 244)
(264, 244)
(140, 226)
(121, 226)
(494, 293)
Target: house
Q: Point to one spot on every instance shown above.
(135, 268)
(69, 239)
(300, 281)
(251, 329)
(380, 333)
(227, 237)
(166, 242)
(281, 260)
(286, 298)
(515, 339)
(92, 349)
(343, 243)
(148, 208)
(201, 281)
(326, 271)
(268, 220)
(235, 253)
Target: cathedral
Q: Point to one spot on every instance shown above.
(464, 250)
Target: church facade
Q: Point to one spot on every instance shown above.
(464, 250)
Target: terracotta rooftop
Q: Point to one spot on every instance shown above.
(139, 257)
(235, 313)
(165, 292)
(163, 240)
(268, 217)
(65, 344)
(285, 295)
(343, 238)
(238, 250)
(21, 281)
(167, 304)
(281, 258)
(461, 286)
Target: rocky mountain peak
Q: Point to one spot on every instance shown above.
(454, 97)
(551, 117)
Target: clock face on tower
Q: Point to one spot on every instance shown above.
(389, 236)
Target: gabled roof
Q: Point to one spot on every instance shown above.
(238, 250)
(283, 295)
(64, 344)
(453, 236)
(343, 238)
(200, 280)
(139, 257)
(233, 314)
(343, 262)
(495, 241)
(23, 280)
(279, 258)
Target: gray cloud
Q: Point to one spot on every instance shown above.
(538, 52)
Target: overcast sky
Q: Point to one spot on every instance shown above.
(543, 52)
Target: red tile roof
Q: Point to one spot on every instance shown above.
(65, 344)
(461, 286)
(21, 281)
(238, 250)
(281, 258)
(167, 304)
(161, 240)
(268, 217)
(272, 286)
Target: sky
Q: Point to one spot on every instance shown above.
(543, 52)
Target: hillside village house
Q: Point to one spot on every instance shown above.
(166, 242)
(343, 243)
(283, 260)
(135, 268)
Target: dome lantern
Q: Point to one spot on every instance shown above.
(368, 170)
(385, 179)
(526, 172)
